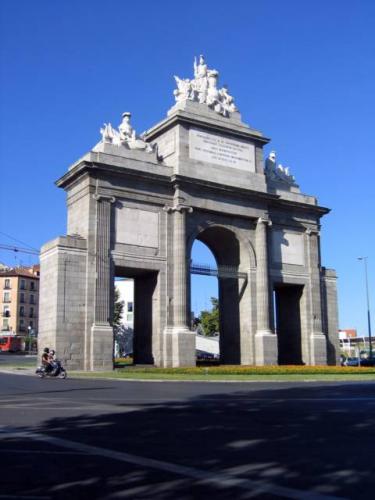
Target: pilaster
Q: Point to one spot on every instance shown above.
(179, 340)
(101, 355)
(318, 341)
(265, 340)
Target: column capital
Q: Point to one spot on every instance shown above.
(178, 208)
(312, 231)
(264, 220)
(104, 197)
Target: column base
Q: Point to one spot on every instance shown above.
(318, 343)
(178, 347)
(101, 355)
(266, 351)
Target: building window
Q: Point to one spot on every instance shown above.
(129, 317)
(22, 325)
(23, 285)
(6, 297)
(22, 311)
(130, 307)
(31, 325)
(6, 312)
(32, 299)
(7, 283)
(22, 297)
(5, 324)
(32, 285)
(31, 312)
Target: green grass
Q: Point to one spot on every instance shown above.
(236, 373)
(218, 373)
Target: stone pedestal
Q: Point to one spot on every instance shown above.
(265, 348)
(318, 349)
(101, 347)
(179, 347)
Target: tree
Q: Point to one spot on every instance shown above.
(118, 309)
(210, 319)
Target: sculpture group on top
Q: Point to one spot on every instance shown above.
(124, 136)
(277, 172)
(203, 89)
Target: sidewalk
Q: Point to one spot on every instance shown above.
(14, 370)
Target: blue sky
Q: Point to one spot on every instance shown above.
(301, 72)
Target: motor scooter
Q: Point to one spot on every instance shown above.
(57, 370)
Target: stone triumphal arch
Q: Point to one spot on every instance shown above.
(135, 206)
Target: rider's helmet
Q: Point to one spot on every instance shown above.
(52, 352)
(46, 350)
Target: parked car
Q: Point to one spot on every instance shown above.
(352, 362)
(368, 361)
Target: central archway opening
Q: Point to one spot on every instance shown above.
(225, 250)
(205, 304)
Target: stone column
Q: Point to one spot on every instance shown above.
(318, 341)
(180, 269)
(265, 340)
(179, 340)
(101, 355)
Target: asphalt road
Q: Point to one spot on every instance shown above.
(141, 440)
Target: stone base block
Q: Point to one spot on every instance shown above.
(101, 356)
(265, 348)
(318, 344)
(179, 347)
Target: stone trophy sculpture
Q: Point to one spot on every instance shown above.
(277, 172)
(125, 135)
(203, 89)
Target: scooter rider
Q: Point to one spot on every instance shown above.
(46, 360)
(52, 360)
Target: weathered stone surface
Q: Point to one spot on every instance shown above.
(136, 214)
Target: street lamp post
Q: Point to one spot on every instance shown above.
(368, 305)
(29, 337)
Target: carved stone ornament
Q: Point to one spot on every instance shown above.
(278, 172)
(125, 136)
(203, 89)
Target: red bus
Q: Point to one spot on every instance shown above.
(10, 343)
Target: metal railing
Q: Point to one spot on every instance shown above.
(220, 271)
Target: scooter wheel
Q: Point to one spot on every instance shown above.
(63, 375)
(41, 375)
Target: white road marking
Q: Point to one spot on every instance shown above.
(216, 478)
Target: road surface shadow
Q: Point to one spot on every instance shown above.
(309, 438)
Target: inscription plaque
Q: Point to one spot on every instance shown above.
(214, 148)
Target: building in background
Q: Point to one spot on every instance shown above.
(348, 333)
(125, 333)
(19, 300)
(353, 345)
(126, 288)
